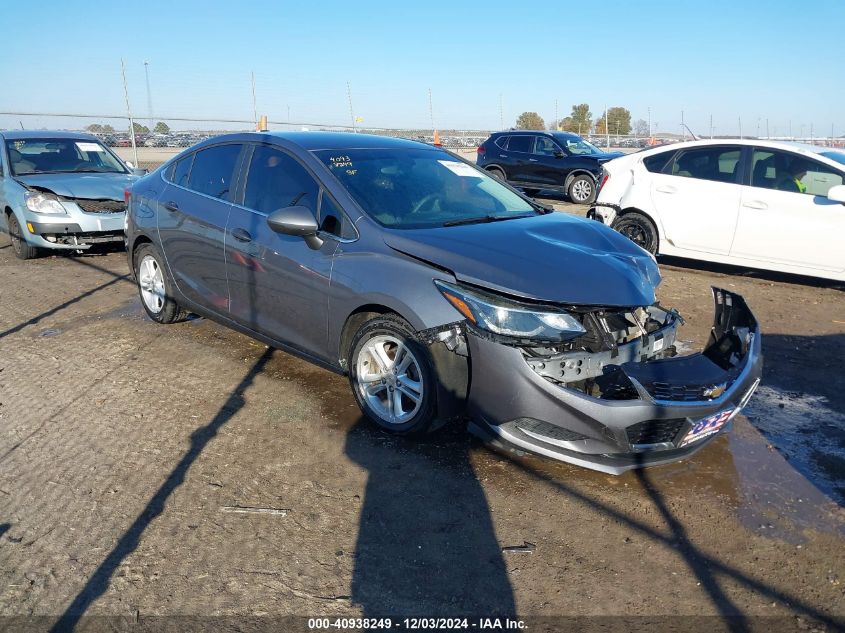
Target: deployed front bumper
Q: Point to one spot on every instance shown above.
(680, 403)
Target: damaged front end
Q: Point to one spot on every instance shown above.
(611, 393)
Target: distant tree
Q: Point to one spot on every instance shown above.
(530, 121)
(620, 122)
(580, 121)
(137, 128)
(161, 128)
(94, 128)
(641, 127)
(108, 129)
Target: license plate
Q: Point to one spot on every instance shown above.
(707, 426)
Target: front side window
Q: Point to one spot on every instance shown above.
(412, 188)
(60, 155)
(784, 171)
(545, 146)
(276, 180)
(521, 143)
(332, 220)
(720, 164)
(213, 170)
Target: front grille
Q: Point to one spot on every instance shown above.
(681, 392)
(654, 431)
(548, 430)
(100, 206)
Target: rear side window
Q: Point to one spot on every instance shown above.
(658, 162)
(178, 173)
(521, 144)
(213, 170)
(276, 180)
(502, 142)
(720, 164)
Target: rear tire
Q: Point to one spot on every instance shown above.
(639, 229)
(392, 376)
(498, 172)
(582, 190)
(22, 248)
(155, 287)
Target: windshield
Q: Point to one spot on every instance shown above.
(839, 157)
(577, 146)
(60, 155)
(410, 188)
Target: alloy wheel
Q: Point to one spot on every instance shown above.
(582, 190)
(151, 282)
(389, 379)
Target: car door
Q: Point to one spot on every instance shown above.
(780, 224)
(518, 154)
(548, 163)
(696, 198)
(278, 284)
(192, 215)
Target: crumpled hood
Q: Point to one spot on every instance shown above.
(82, 185)
(605, 156)
(556, 258)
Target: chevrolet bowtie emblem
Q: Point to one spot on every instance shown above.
(715, 391)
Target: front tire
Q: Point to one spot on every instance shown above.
(155, 287)
(639, 229)
(392, 376)
(22, 248)
(582, 190)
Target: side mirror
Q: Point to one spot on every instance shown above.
(297, 221)
(559, 154)
(837, 194)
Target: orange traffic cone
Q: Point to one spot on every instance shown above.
(436, 138)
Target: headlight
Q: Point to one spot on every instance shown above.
(44, 203)
(504, 317)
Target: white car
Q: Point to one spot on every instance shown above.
(762, 204)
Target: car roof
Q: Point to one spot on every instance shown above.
(546, 132)
(319, 140)
(811, 151)
(18, 135)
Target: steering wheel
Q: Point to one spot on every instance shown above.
(426, 201)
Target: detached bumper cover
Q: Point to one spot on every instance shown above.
(678, 404)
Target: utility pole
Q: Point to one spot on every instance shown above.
(683, 127)
(431, 110)
(351, 111)
(649, 121)
(740, 128)
(501, 113)
(767, 129)
(149, 94)
(557, 121)
(606, 128)
(254, 106)
(711, 127)
(129, 113)
(811, 133)
(790, 129)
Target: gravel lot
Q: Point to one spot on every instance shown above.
(188, 470)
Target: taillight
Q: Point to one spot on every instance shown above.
(126, 195)
(604, 179)
(481, 150)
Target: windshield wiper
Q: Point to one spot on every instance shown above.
(484, 219)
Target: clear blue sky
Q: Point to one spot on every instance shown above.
(754, 59)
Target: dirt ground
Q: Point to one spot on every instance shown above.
(150, 470)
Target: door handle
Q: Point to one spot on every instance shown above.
(755, 204)
(171, 206)
(503, 155)
(242, 235)
(667, 189)
(532, 160)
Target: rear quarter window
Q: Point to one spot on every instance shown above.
(501, 142)
(657, 162)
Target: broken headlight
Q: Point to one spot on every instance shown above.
(44, 203)
(505, 317)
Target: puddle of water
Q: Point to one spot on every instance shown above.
(807, 432)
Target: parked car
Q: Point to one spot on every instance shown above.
(407, 268)
(538, 160)
(762, 204)
(61, 191)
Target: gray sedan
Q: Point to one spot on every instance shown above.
(441, 292)
(60, 191)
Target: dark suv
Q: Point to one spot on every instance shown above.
(535, 160)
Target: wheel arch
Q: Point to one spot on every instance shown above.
(578, 171)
